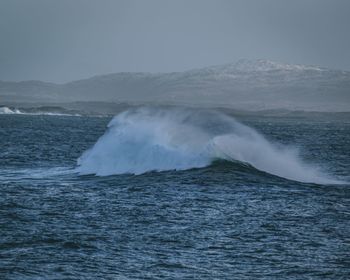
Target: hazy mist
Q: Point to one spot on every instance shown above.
(67, 40)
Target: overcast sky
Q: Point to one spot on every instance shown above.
(66, 40)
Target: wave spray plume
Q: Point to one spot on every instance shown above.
(158, 139)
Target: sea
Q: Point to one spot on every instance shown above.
(174, 193)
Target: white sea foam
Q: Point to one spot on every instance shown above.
(8, 111)
(158, 139)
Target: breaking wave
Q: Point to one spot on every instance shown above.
(8, 111)
(158, 139)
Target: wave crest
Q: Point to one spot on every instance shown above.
(158, 139)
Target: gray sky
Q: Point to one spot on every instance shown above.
(65, 40)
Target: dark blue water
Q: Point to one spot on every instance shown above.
(224, 221)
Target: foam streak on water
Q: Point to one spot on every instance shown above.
(158, 139)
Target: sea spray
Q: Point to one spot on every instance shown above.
(158, 139)
(34, 112)
(8, 111)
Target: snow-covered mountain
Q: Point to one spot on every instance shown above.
(246, 84)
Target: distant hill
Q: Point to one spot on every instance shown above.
(245, 85)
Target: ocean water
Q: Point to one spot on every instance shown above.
(174, 194)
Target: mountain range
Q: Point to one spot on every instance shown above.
(244, 85)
